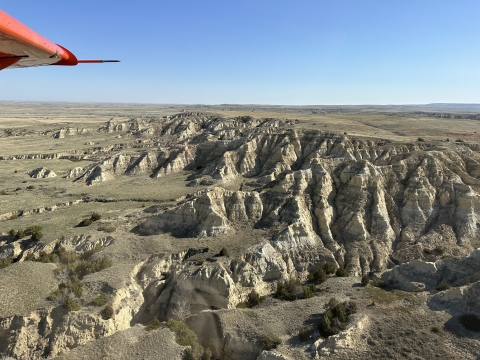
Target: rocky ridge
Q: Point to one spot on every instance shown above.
(406, 211)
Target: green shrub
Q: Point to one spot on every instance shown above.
(242, 305)
(35, 232)
(440, 250)
(329, 268)
(420, 139)
(223, 252)
(3, 192)
(76, 286)
(254, 299)
(153, 325)
(351, 307)
(443, 286)
(365, 280)
(303, 334)
(270, 341)
(308, 293)
(184, 335)
(427, 251)
(107, 312)
(5, 262)
(12, 232)
(378, 283)
(207, 354)
(20, 234)
(70, 304)
(318, 276)
(95, 216)
(54, 294)
(107, 229)
(100, 300)
(200, 262)
(88, 267)
(30, 257)
(335, 317)
(84, 223)
(287, 290)
(459, 141)
(435, 329)
(46, 258)
(341, 272)
(31, 187)
(470, 321)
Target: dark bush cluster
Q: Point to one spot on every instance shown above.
(379, 283)
(89, 221)
(100, 300)
(223, 252)
(107, 312)
(34, 231)
(75, 264)
(153, 325)
(341, 272)
(291, 290)
(443, 286)
(287, 290)
(5, 262)
(365, 280)
(71, 304)
(309, 291)
(253, 299)
(186, 337)
(439, 250)
(335, 317)
(71, 268)
(321, 272)
(303, 334)
(270, 341)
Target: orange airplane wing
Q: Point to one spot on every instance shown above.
(22, 47)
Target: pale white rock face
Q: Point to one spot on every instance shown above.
(413, 276)
(367, 202)
(41, 173)
(347, 339)
(76, 172)
(269, 263)
(209, 213)
(459, 300)
(204, 288)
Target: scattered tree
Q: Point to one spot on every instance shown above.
(100, 300)
(153, 325)
(271, 341)
(341, 272)
(443, 286)
(107, 312)
(70, 304)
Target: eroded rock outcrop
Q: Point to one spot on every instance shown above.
(41, 173)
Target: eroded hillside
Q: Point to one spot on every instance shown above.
(195, 212)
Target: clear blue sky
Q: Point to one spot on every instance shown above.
(255, 51)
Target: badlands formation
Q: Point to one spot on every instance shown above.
(183, 213)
